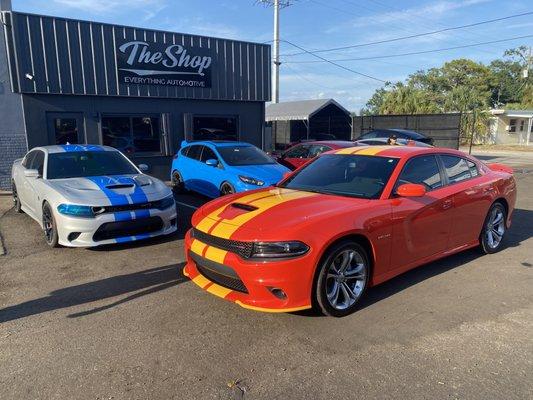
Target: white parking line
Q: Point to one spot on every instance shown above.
(186, 205)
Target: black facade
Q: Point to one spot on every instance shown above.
(141, 91)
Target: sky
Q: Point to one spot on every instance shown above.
(325, 24)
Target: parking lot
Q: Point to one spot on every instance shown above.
(124, 323)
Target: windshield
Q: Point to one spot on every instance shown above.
(345, 175)
(244, 155)
(77, 164)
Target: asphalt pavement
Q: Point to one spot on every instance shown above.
(122, 322)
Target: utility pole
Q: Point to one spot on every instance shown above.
(275, 75)
(277, 5)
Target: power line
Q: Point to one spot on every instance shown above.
(333, 63)
(412, 36)
(407, 54)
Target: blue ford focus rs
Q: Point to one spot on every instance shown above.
(217, 168)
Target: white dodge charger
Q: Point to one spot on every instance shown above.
(89, 195)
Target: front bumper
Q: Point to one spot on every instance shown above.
(68, 227)
(292, 276)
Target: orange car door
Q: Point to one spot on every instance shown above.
(421, 225)
(471, 200)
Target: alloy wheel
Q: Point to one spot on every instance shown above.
(226, 189)
(48, 224)
(345, 279)
(495, 228)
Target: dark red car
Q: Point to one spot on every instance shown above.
(297, 155)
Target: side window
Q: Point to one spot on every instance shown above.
(28, 159)
(298, 152)
(423, 170)
(184, 151)
(456, 168)
(195, 152)
(38, 162)
(208, 154)
(316, 150)
(370, 135)
(473, 169)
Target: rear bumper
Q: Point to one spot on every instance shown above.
(293, 277)
(68, 227)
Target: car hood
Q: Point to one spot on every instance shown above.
(110, 190)
(274, 209)
(270, 173)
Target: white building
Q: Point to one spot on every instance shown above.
(511, 127)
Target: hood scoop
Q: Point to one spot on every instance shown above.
(120, 186)
(245, 207)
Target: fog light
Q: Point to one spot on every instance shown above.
(280, 294)
(73, 236)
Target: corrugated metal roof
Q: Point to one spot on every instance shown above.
(298, 110)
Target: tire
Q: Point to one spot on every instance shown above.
(49, 226)
(342, 279)
(16, 200)
(178, 186)
(494, 229)
(226, 188)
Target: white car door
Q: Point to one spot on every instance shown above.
(32, 186)
(21, 181)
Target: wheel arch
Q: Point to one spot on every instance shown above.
(357, 237)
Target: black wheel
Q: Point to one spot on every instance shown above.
(49, 226)
(494, 228)
(177, 182)
(16, 200)
(342, 279)
(226, 188)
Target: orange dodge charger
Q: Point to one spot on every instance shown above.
(347, 220)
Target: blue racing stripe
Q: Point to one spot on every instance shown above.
(79, 147)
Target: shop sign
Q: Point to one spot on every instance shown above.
(149, 63)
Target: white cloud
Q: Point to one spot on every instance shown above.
(149, 8)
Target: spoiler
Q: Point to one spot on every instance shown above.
(500, 167)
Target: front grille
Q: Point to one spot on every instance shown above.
(127, 207)
(113, 230)
(218, 273)
(243, 249)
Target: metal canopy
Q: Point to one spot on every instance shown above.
(298, 110)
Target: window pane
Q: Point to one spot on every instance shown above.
(146, 134)
(66, 130)
(244, 155)
(456, 168)
(316, 150)
(194, 152)
(208, 154)
(88, 163)
(116, 132)
(473, 169)
(344, 175)
(26, 163)
(298, 152)
(215, 128)
(421, 170)
(38, 162)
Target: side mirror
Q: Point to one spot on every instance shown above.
(212, 162)
(411, 190)
(31, 173)
(143, 167)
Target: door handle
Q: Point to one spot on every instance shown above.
(446, 204)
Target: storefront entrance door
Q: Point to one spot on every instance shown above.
(65, 128)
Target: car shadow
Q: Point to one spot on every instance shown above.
(520, 232)
(138, 284)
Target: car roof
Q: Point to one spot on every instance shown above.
(398, 151)
(392, 130)
(65, 148)
(218, 143)
(332, 143)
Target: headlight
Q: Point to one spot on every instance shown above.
(279, 249)
(165, 203)
(76, 211)
(251, 181)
